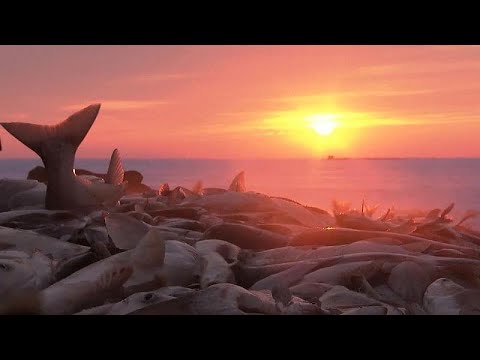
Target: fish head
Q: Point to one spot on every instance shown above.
(214, 270)
(16, 273)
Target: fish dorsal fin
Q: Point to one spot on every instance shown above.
(150, 251)
(340, 207)
(468, 215)
(115, 169)
(176, 195)
(164, 189)
(447, 210)
(198, 188)
(238, 183)
(125, 231)
(370, 210)
(71, 131)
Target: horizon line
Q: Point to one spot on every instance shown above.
(269, 158)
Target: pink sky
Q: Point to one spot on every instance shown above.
(249, 101)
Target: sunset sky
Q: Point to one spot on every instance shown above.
(250, 101)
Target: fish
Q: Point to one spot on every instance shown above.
(246, 237)
(440, 297)
(9, 188)
(109, 191)
(342, 299)
(88, 287)
(218, 299)
(179, 263)
(20, 271)
(410, 280)
(121, 273)
(139, 301)
(56, 145)
(29, 241)
(339, 236)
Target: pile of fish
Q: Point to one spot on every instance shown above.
(88, 248)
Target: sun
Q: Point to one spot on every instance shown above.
(323, 124)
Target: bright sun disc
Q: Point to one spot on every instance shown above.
(322, 124)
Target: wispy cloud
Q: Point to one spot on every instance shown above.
(16, 116)
(292, 121)
(161, 77)
(274, 123)
(419, 67)
(302, 99)
(118, 105)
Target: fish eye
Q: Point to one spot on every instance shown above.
(148, 296)
(4, 267)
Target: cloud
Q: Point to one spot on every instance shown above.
(302, 99)
(161, 77)
(419, 68)
(118, 105)
(16, 116)
(363, 120)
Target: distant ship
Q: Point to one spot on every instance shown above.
(331, 157)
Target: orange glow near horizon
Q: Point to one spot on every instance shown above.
(250, 101)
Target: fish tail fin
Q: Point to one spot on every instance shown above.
(71, 131)
(115, 169)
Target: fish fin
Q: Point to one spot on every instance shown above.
(384, 217)
(164, 189)
(371, 210)
(468, 215)
(115, 169)
(198, 188)
(150, 251)
(71, 131)
(125, 231)
(447, 210)
(238, 183)
(340, 207)
(175, 196)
